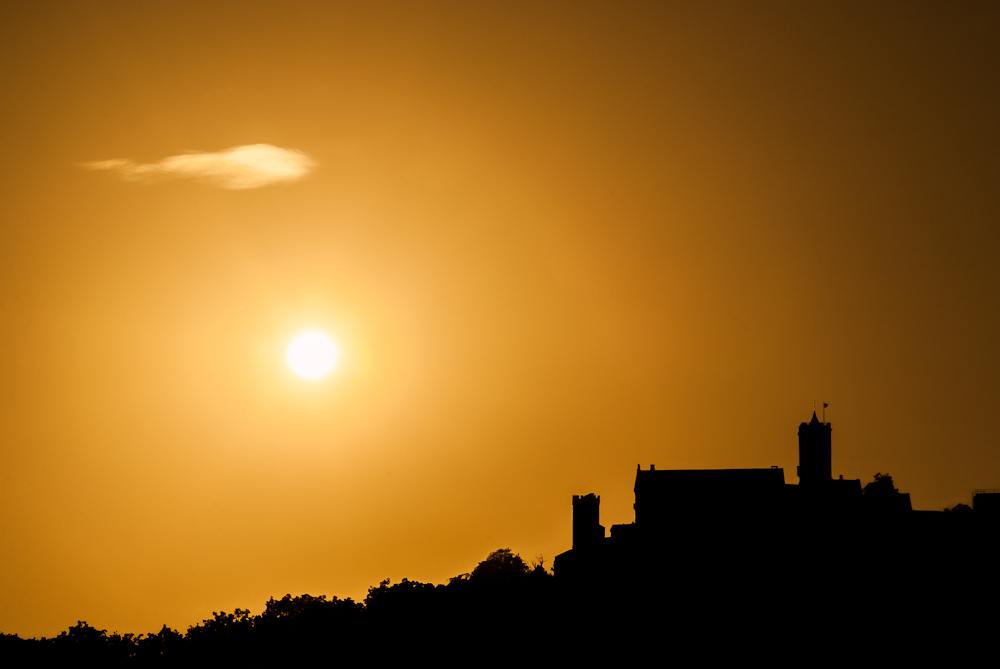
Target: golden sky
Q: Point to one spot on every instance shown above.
(551, 240)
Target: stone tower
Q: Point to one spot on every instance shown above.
(587, 528)
(815, 460)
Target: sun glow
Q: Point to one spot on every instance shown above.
(312, 355)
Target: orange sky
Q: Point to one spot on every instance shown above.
(553, 240)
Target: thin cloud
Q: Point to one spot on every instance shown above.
(238, 168)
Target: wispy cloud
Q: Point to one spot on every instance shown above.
(238, 168)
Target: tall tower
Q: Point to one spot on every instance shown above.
(587, 528)
(815, 460)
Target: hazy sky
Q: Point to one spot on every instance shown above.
(552, 240)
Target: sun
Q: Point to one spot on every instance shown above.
(312, 355)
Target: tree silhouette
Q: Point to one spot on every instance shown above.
(153, 648)
(500, 566)
(225, 635)
(960, 508)
(880, 496)
(882, 487)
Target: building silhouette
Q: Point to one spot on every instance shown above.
(986, 501)
(717, 524)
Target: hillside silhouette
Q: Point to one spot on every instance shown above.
(396, 620)
(723, 564)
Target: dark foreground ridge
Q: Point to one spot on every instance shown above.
(729, 564)
(494, 603)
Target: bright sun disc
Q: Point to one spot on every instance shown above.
(312, 355)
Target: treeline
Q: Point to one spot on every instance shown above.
(715, 602)
(395, 620)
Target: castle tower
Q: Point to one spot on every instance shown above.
(587, 528)
(815, 460)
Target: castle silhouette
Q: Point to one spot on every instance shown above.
(730, 564)
(721, 523)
